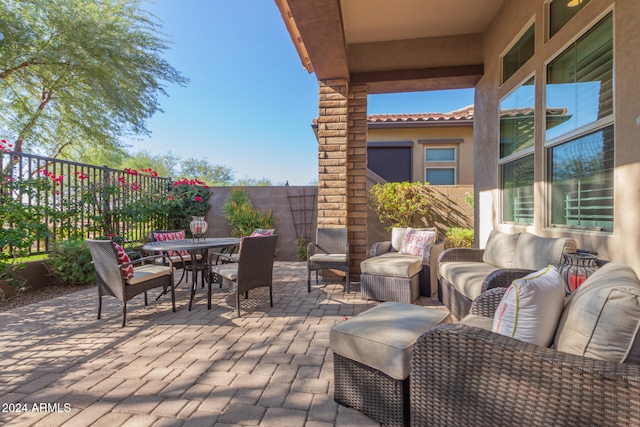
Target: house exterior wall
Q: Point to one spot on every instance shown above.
(623, 244)
(433, 137)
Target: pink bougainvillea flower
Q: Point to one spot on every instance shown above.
(170, 197)
(121, 179)
(198, 199)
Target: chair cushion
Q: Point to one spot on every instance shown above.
(535, 252)
(500, 249)
(602, 318)
(482, 322)
(467, 277)
(415, 241)
(392, 264)
(127, 272)
(229, 271)
(383, 336)
(531, 306)
(163, 236)
(148, 272)
(328, 258)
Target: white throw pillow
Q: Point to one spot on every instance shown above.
(397, 236)
(415, 241)
(531, 307)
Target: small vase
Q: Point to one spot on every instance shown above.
(198, 226)
(575, 268)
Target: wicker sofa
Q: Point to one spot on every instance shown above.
(465, 375)
(463, 274)
(388, 275)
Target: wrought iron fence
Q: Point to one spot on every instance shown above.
(86, 201)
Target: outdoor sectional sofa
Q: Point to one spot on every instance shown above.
(465, 375)
(463, 274)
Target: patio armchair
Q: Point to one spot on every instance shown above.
(112, 281)
(330, 251)
(466, 375)
(228, 256)
(253, 270)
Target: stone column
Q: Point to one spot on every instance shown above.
(342, 163)
(357, 175)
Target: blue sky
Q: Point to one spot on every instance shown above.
(249, 104)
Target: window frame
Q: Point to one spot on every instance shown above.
(455, 174)
(576, 133)
(526, 27)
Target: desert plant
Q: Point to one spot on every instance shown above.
(70, 261)
(459, 238)
(242, 216)
(404, 204)
(301, 245)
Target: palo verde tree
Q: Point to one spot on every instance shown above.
(79, 72)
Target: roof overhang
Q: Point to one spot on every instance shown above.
(399, 46)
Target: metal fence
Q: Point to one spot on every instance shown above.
(84, 201)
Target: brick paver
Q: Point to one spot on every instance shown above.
(60, 366)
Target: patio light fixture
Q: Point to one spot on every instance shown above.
(574, 3)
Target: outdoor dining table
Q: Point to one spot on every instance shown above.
(195, 246)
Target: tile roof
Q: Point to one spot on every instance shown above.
(463, 114)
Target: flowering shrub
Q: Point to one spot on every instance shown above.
(22, 223)
(188, 199)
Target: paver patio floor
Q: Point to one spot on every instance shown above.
(60, 366)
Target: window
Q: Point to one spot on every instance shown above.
(441, 164)
(561, 11)
(582, 181)
(517, 190)
(441, 155)
(518, 54)
(581, 144)
(580, 81)
(440, 176)
(517, 119)
(517, 116)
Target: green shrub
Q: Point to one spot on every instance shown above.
(459, 238)
(70, 261)
(404, 204)
(242, 216)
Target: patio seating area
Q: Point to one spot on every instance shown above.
(272, 366)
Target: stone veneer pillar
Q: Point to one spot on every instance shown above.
(342, 163)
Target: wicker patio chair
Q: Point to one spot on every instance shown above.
(232, 254)
(467, 376)
(253, 270)
(111, 280)
(329, 252)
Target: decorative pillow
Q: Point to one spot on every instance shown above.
(415, 241)
(530, 308)
(397, 237)
(127, 271)
(601, 319)
(500, 249)
(256, 233)
(164, 236)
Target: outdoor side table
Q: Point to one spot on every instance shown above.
(372, 355)
(196, 246)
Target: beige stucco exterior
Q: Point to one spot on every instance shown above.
(458, 137)
(384, 54)
(623, 245)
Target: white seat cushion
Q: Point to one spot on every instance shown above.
(230, 271)
(467, 277)
(328, 258)
(392, 264)
(383, 336)
(148, 272)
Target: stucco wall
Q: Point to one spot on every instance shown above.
(623, 245)
(281, 200)
(464, 150)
